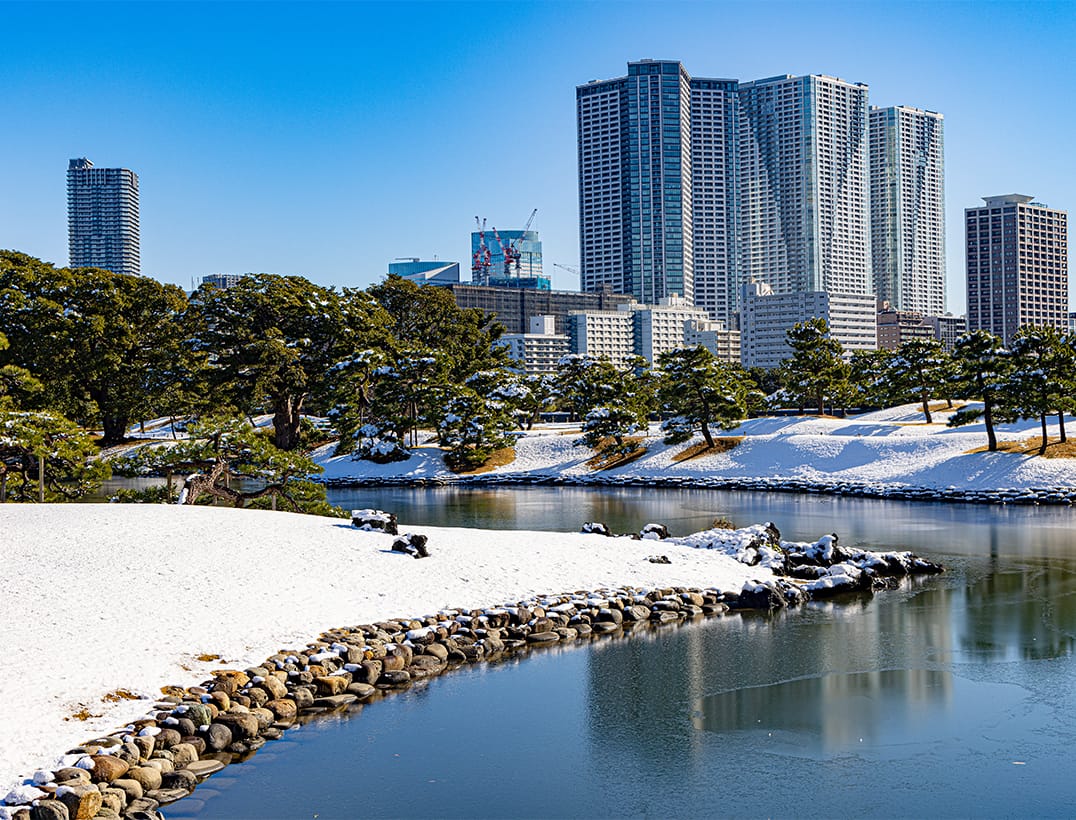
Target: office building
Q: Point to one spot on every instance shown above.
(102, 218)
(804, 196)
(907, 186)
(514, 307)
(895, 327)
(636, 329)
(656, 184)
(1017, 265)
(540, 349)
(715, 337)
(766, 317)
(223, 280)
(603, 334)
(426, 272)
(947, 329)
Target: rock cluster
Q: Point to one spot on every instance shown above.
(374, 521)
(412, 544)
(1065, 495)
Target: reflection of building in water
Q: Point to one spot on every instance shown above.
(831, 671)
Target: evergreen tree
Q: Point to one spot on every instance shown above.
(1036, 386)
(697, 391)
(919, 368)
(476, 419)
(981, 365)
(32, 439)
(816, 368)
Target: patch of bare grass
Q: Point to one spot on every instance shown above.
(500, 458)
(721, 445)
(1055, 448)
(633, 449)
(116, 695)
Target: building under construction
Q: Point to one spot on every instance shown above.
(507, 259)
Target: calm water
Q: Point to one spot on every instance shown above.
(952, 697)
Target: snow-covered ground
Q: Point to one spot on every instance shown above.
(99, 598)
(893, 447)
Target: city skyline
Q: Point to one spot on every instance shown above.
(257, 152)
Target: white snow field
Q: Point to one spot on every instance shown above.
(891, 446)
(104, 597)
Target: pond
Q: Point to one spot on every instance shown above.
(948, 697)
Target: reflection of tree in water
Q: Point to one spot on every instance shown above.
(1026, 612)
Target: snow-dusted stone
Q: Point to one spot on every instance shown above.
(654, 532)
(83, 801)
(374, 520)
(47, 810)
(411, 543)
(756, 595)
(658, 559)
(596, 528)
(69, 773)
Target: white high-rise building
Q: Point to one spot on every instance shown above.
(908, 208)
(804, 185)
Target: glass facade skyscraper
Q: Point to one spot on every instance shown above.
(102, 217)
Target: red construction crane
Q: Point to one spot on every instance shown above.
(480, 260)
(506, 250)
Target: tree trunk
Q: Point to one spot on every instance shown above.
(988, 419)
(115, 428)
(287, 411)
(1061, 425)
(41, 479)
(821, 405)
(926, 406)
(706, 435)
(1045, 440)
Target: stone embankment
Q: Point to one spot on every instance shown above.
(1064, 495)
(191, 733)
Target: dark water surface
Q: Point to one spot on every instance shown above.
(955, 696)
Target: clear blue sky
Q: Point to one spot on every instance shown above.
(327, 139)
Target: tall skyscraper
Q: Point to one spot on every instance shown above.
(907, 176)
(635, 182)
(1017, 265)
(692, 186)
(804, 185)
(102, 217)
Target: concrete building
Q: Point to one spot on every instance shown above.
(539, 350)
(223, 280)
(804, 196)
(895, 327)
(526, 274)
(1017, 265)
(723, 343)
(102, 218)
(426, 272)
(907, 176)
(608, 334)
(947, 329)
(514, 307)
(766, 317)
(636, 330)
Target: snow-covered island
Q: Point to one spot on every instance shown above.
(105, 605)
(889, 453)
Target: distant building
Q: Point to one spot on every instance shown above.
(895, 327)
(724, 344)
(223, 280)
(1072, 322)
(514, 307)
(947, 329)
(1017, 265)
(526, 274)
(102, 218)
(539, 350)
(766, 318)
(636, 330)
(907, 175)
(433, 272)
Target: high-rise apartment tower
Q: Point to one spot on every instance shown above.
(907, 176)
(1017, 265)
(102, 217)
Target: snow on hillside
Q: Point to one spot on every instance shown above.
(891, 446)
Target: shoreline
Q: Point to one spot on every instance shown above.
(242, 583)
(190, 734)
(1059, 495)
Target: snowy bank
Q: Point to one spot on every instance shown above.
(126, 599)
(890, 453)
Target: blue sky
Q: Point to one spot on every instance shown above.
(328, 139)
